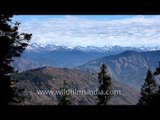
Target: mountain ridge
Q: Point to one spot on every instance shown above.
(127, 65)
(62, 56)
(50, 78)
(50, 47)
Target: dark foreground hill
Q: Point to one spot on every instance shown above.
(49, 78)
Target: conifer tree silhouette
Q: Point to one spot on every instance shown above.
(105, 86)
(12, 45)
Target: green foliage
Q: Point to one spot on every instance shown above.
(105, 86)
(148, 90)
(65, 98)
(12, 45)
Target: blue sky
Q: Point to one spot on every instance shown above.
(23, 18)
(95, 17)
(92, 30)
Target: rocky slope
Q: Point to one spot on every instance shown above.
(129, 67)
(49, 78)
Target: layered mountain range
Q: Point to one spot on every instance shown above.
(126, 64)
(37, 55)
(79, 67)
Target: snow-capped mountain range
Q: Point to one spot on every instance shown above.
(49, 47)
(37, 55)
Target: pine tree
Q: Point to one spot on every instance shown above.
(12, 45)
(148, 90)
(65, 98)
(157, 72)
(105, 86)
(157, 95)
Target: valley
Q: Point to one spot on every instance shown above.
(45, 69)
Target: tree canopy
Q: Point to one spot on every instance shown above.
(12, 45)
(105, 86)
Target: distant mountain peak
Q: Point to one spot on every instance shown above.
(54, 47)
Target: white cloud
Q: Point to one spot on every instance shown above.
(73, 31)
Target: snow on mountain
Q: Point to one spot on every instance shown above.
(35, 47)
(49, 47)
